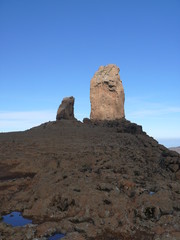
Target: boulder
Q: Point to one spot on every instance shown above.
(66, 109)
(107, 94)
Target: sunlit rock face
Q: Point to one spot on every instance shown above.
(107, 94)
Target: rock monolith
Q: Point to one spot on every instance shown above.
(66, 109)
(107, 94)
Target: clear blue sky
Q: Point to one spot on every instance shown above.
(50, 49)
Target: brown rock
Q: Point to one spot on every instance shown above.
(66, 109)
(107, 94)
(100, 180)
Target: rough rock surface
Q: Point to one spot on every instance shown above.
(107, 94)
(99, 180)
(66, 109)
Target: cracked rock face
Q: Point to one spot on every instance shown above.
(66, 109)
(107, 94)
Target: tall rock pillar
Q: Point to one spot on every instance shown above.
(107, 94)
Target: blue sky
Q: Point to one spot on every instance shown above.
(50, 49)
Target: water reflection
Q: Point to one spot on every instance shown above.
(56, 236)
(16, 219)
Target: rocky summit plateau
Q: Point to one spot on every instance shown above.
(90, 180)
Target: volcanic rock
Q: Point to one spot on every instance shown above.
(107, 94)
(99, 180)
(66, 109)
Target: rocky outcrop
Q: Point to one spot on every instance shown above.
(99, 180)
(107, 94)
(66, 109)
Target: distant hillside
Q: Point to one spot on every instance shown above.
(177, 149)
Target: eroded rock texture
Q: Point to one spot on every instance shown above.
(66, 109)
(107, 94)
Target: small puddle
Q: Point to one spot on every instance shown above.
(151, 193)
(56, 236)
(16, 219)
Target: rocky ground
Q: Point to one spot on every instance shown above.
(94, 180)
